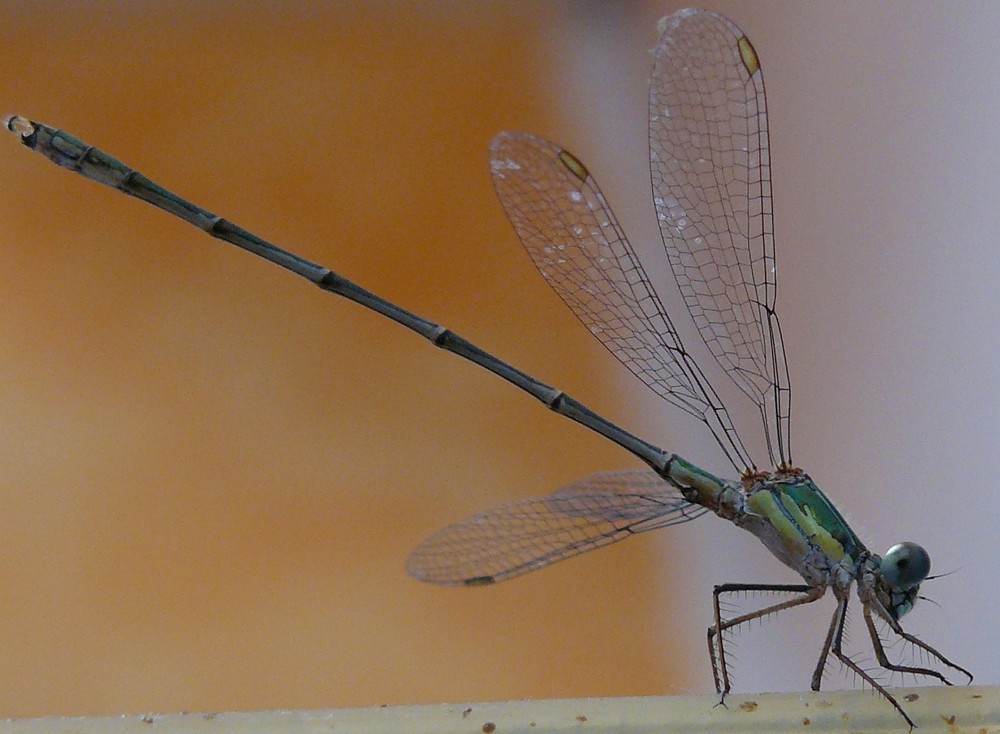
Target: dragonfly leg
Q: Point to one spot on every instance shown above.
(716, 646)
(837, 635)
(883, 660)
(836, 626)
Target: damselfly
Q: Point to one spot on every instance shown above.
(710, 167)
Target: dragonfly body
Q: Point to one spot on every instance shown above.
(792, 517)
(710, 171)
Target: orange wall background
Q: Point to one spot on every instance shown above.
(212, 473)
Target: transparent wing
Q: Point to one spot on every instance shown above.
(575, 241)
(711, 173)
(523, 536)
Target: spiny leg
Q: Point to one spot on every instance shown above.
(837, 634)
(883, 660)
(720, 669)
(835, 624)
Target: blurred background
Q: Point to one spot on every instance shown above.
(212, 473)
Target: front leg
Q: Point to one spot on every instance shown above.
(883, 660)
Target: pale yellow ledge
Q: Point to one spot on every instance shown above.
(939, 709)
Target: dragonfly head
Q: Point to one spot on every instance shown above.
(903, 568)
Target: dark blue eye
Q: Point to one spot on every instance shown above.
(905, 565)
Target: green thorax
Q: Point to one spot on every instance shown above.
(803, 516)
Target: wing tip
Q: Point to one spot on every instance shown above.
(479, 581)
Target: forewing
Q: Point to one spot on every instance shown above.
(523, 536)
(575, 241)
(711, 174)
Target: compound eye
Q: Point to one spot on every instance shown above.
(905, 565)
